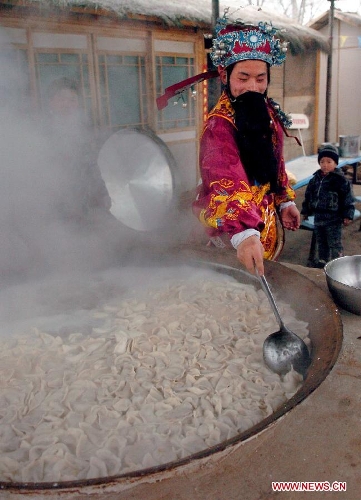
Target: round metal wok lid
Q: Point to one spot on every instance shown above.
(139, 172)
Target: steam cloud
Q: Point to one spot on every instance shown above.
(39, 187)
(39, 243)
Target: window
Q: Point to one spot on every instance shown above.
(123, 90)
(181, 112)
(51, 65)
(14, 80)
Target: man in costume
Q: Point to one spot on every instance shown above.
(245, 191)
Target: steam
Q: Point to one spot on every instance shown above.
(42, 242)
(42, 190)
(35, 237)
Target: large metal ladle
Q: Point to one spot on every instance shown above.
(283, 349)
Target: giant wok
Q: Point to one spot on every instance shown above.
(311, 305)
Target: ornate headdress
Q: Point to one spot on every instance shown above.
(239, 41)
(235, 42)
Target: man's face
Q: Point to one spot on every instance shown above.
(65, 102)
(249, 75)
(66, 114)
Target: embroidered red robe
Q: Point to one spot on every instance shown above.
(227, 202)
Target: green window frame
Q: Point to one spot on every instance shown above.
(181, 112)
(51, 64)
(15, 78)
(123, 90)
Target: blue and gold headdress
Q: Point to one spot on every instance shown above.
(239, 41)
(235, 42)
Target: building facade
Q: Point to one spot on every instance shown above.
(345, 94)
(124, 63)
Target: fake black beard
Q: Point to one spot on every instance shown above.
(254, 138)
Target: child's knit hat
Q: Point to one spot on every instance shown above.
(329, 151)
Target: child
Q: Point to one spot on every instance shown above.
(329, 198)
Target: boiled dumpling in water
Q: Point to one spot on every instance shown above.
(156, 380)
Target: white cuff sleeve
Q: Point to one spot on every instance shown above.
(286, 204)
(239, 237)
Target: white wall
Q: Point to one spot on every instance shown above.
(345, 118)
(349, 81)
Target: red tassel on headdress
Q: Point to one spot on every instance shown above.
(180, 87)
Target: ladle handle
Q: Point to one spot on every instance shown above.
(271, 299)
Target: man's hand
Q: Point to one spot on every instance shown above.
(290, 217)
(250, 254)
